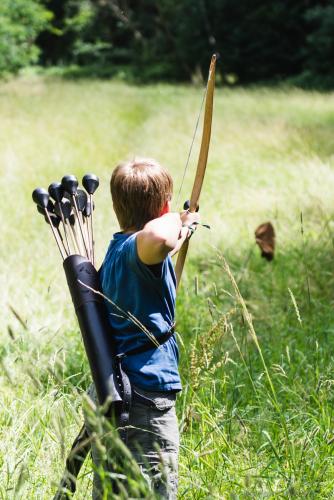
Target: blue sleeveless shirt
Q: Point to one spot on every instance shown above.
(137, 291)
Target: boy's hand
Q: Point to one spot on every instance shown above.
(190, 220)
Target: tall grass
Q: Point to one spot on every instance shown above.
(256, 338)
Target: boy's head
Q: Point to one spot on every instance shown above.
(141, 191)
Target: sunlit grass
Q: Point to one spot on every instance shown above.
(271, 158)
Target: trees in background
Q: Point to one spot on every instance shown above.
(20, 23)
(319, 50)
(173, 39)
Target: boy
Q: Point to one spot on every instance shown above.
(137, 274)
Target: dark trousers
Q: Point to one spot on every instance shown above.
(153, 440)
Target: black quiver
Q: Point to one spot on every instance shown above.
(111, 382)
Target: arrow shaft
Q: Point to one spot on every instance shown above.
(91, 228)
(56, 236)
(78, 214)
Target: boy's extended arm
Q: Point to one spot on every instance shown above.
(162, 236)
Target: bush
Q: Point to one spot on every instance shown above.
(20, 23)
(320, 45)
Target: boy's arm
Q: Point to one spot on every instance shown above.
(162, 236)
(187, 219)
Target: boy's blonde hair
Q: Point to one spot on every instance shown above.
(140, 189)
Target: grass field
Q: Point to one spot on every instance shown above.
(256, 338)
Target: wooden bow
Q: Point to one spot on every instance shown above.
(202, 161)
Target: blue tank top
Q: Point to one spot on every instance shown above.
(135, 289)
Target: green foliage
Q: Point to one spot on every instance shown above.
(87, 49)
(320, 46)
(20, 23)
(173, 39)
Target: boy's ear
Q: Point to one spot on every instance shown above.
(166, 208)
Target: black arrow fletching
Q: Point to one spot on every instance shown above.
(72, 219)
(50, 208)
(90, 182)
(65, 207)
(70, 184)
(56, 191)
(80, 198)
(54, 219)
(88, 209)
(41, 197)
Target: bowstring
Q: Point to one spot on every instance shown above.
(191, 146)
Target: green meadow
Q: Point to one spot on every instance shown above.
(256, 337)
